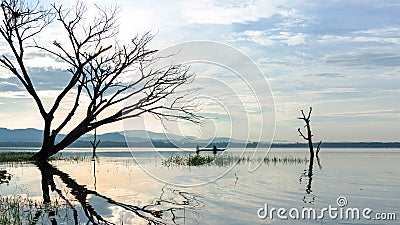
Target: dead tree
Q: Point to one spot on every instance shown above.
(94, 144)
(309, 172)
(308, 138)
(97, 66)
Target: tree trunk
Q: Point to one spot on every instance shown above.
(310, 143)
(45, 152)
(49, 148)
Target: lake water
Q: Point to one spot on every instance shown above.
(116, 190)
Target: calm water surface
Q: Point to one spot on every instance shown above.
(116, 190)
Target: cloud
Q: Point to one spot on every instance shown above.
(325, 75)
(295, 39)
(229, 12)
(25, 94)
(344, 61)
(9, 86)
(289, 28)
(340, 38)
(385, 112)
(14, 94)
(364, 59)
(43, 78)
(387, 35)
(270, 37)
(293, 18)
(381, 31)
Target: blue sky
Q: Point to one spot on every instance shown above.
(341, 57)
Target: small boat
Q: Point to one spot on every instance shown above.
(214, 149)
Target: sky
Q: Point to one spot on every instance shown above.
(340, 57)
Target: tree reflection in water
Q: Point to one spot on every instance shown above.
(165, 210)
(308, 174)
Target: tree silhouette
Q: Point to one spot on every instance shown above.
(309, 135)
(97, 65)
(95, 143)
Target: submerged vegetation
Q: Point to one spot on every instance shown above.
(187, 160)
(26, 157)
(15, 156)
(226, 160)
(24, 210)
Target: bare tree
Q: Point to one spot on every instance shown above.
(308, 138)
(97, 64)
(95, 143)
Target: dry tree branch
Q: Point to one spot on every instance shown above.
(98, 65)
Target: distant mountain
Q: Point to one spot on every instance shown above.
(31, 137)
(134, 136)
(35, 135)
(115, 137)
(145, 135)
(22, 135)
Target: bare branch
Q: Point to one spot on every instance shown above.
(71, 113)
(304, 116)
(301, 134)
(21, 21)
(318, 147)
(98, 66)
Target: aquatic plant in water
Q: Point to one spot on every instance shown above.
(226, 160)
(24, 210)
